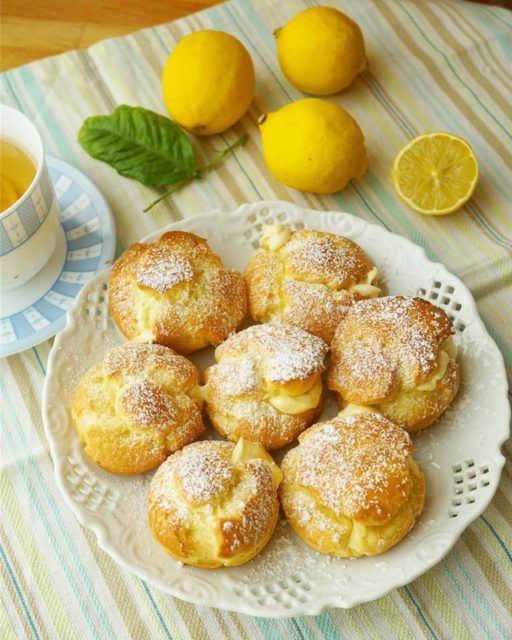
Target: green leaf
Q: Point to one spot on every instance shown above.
(140, 144)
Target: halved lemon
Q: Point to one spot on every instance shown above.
(435, 173)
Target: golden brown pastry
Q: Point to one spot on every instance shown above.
(136, 407)
(176, 292)
(351, 488)
(266, 386)
(396, 354)
(215, 504)
(307, 279)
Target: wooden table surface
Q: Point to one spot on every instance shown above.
(32, 29)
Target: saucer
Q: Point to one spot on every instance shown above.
(37, 310)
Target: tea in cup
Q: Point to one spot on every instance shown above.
(29, 214)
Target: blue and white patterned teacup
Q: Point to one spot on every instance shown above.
(30, 227)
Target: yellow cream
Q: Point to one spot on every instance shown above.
(274, 236)
(286, 403)
(354, 409)
(367, 288)
(448, 352)
(200, 393)
(246, 450)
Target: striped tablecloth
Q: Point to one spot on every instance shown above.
(433, 65)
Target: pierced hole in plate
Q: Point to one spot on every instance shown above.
(470, 500)
(471, 475)
(104, 286)
(436, 284)
(470, 463)
(452, 513)
(422, 292)
(460, 326)
(456, 468)
(433, 295)
(458, 479)
(484, 469)
(484, 483)
(252, 217)
(456, 502)
(255, 244)
(456, 306)
(445, 300)
(87, 312)
(284, 584)
(300, 226)
(449, 289)
(472, 486)
(458, 491)
(281, 217)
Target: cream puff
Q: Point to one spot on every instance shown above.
(397, 355)
(266, 386)
(215, 504)
(176, 292)
(135, 407)
(307, 279)
(351, 488)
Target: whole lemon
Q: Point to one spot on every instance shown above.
(321, 51)
(208, 82)
(313, 145)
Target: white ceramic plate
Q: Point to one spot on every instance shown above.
(460, 455)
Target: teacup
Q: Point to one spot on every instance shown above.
(30, 227)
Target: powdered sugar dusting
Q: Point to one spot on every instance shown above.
(136, 356)
(162, 270)
(237, 377)
(289, 353)
(204, 473)
(386, 342)
(148, 405)
(357, 464)
(325, 257)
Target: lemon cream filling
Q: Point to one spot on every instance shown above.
(246, 450)
(354, 409)
(274, 236)
(447, 353)
(367, 288)
(292, 405)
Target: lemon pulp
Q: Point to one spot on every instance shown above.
(436, 173)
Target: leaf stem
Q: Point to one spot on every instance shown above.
(220, 156)
(179, 185)
(201, 171)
